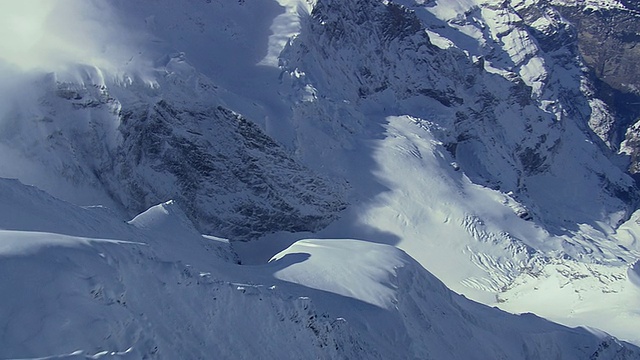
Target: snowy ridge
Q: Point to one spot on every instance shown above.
(128, 144)
(466, 133)
(92, 301)
(513, 121)
(517, 156)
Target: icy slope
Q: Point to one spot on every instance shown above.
(520, 130)
(468, 132)
(607, 41)
(150, 289)
(466, 142)
(130, 134)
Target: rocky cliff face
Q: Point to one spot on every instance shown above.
(606, 39)
(511, 99)
(475, 135)
(502, 82)
(142, 146)
(231, 178)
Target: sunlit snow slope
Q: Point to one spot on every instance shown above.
(456, 131)
(466, 142)
(85, 285)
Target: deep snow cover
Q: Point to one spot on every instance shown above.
(78, 288)
(465, 134)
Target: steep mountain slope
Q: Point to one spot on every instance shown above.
(81, 286)
(468, 133)
(604, 35)
(130, 142)
(480, 150)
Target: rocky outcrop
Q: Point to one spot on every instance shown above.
(231, 178)
(512, 110)
(605, 38)
(142, 144)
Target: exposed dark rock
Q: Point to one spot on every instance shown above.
(231, 179)
(607, 41)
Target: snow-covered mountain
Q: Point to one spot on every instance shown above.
(490, 141)
(79, 283)
(477, 134)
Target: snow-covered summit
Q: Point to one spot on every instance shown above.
(480, 143)
(129, 143)
(160, 297)
(475, 135)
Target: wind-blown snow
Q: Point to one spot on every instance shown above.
(20, 243)
(54, 35)
(284, 27)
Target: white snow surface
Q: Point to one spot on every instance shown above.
(330, 268)
(408, 190)
(81, 279)
(169, 295)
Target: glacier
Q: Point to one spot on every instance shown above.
(346, 150)
(155, 288)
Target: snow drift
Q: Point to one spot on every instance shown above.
(155, 289)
